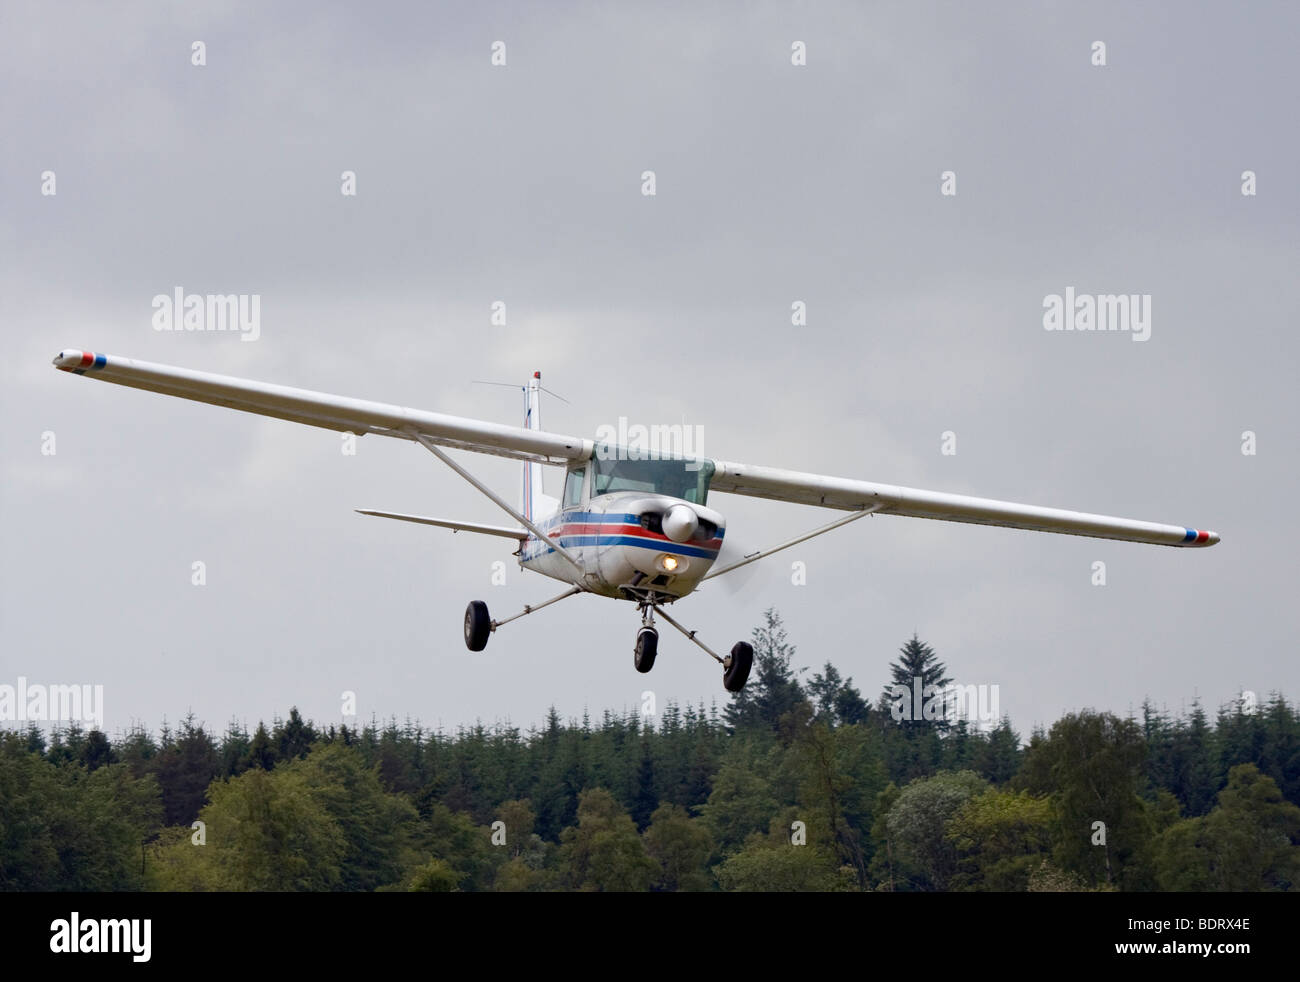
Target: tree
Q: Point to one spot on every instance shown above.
(1093, 766)
(185, 768)
(1001, 837)
(264, 832)
(518, 819)
(997, 758)
(742, 801)
(835, 699)
(1249, 842)
(646, 800)
(917, 825)
(840, 773)
(762, 867)
(97, 752)
(681, 846)
(435, 876)
(917, 671)
(293, 738)
(603, 852)
(67, 828)
(376, 826)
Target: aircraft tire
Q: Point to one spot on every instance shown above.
(737, 673)
(478, 625)
(647, 646)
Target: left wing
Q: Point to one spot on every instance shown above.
(332, 412)
(888, 499)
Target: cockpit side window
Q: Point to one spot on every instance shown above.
(573, 487)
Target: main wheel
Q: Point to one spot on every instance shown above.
(478, 625)
(647, 646)
(737, 672)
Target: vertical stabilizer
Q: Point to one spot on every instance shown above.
(534, 504)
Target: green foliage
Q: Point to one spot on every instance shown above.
(1093, 766)
(1249, 841)
(767, 868)
(265, 832)
(70, 828)
(376, 826)
(435, 876)
(681, 846)
(916, 826)
(603, 852)
(743, 799)
(916, 661)
(1000, 838)
(684, 800)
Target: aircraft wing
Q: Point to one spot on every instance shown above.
(329, 411)
(850, 495)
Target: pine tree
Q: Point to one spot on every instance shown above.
(261, 754)
(646, 800)
(917, 661)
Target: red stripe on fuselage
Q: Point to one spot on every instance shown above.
(592, 528)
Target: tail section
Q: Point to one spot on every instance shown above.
(534, 503)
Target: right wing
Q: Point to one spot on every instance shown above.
(329, 411)
(889, 499)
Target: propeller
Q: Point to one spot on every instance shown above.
(734, 549)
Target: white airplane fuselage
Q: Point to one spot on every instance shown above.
(619, 541)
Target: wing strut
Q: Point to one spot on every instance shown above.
(852, 516)
(437, 451)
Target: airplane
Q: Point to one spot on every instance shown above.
(629, 525)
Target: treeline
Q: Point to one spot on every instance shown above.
(797, 784)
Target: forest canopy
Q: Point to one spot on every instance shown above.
(795, 784)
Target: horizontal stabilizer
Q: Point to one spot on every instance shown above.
(501, 530)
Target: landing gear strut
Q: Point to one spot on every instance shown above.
(479, 626)
(735, 667)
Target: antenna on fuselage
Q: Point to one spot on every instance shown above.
(524, 388)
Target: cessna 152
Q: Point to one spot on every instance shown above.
(627, 526)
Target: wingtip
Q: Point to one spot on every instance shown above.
(76, 360)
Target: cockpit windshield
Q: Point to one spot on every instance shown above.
(678, 477)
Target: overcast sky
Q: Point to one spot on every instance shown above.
(522, 183)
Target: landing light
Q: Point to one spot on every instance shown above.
(669, 564)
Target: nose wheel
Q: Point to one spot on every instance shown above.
(647, 646)
(735, 667)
